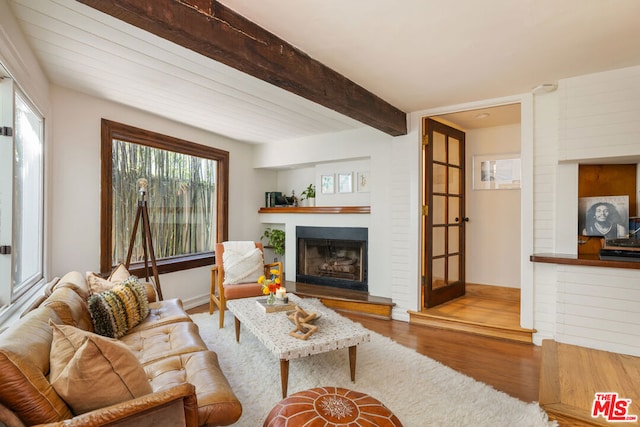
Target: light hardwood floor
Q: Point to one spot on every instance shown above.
(571, 375)
(492, 311)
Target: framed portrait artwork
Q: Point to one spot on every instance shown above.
(606, 216)
(327, 184)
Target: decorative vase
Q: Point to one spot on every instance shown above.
(311, 202)
(271, 299)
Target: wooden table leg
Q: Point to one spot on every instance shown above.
(237, 324)
(352, 362)
(284, 376)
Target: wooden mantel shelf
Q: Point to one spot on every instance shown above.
(318, 210)
(589, 260)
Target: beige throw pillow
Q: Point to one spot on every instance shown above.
(89, 371)
(97, 284)
(244, 267)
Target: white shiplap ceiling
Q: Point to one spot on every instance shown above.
(415, 54)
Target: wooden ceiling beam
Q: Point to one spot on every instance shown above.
(217, 32)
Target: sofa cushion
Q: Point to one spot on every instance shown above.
(243, 290)
(217, 403)
(119, 309)
(74, 280)
(163, 341)
(163, 313)
(242, 266)
(24, 364)
(90, 371)
(71, 307)
(97, 284)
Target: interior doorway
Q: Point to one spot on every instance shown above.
(491, 239)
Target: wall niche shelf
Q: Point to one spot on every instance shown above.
(317, 210)
(584, 260)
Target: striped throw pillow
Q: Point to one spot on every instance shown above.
(117, 310)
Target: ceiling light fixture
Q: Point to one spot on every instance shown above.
(544, 88)
(480, 116)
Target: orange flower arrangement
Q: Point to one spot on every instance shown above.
(270, 285)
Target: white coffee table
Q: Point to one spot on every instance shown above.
(272, 330)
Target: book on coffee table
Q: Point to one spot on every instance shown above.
(277, 306)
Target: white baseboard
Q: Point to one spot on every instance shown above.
(195, 301)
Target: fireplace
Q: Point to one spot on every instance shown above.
(332, 256)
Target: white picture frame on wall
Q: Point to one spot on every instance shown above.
(496, 172)
(327, 184)
(362, 182)
(345, 182)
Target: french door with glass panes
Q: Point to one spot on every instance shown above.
(443, 216)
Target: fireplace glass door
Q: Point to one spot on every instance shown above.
(338, 262)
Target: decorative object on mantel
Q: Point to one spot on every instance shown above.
(275, 239)
(270, 198)
(303, 329)
(274, 199)
(309, 196)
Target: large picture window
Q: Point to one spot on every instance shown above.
(21, 193)
(28, 194)
(186, 196)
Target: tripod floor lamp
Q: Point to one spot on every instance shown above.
(142, 215)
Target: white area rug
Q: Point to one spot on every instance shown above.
(419, 390)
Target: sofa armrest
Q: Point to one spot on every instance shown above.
(176, 406)
(8, 418)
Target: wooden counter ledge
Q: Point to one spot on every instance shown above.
(588, 260)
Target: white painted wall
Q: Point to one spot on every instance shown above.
(75, 183)
(364, 149)
(598, 308)
(592, 118)
(299, 178)
(493, 232)
(599, 115)
(545, 175)
(406, 216)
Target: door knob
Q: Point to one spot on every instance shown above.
(465, 219)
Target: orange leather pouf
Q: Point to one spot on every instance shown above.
(331, 407)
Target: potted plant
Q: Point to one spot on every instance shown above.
(309, 194)
(275, 239)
